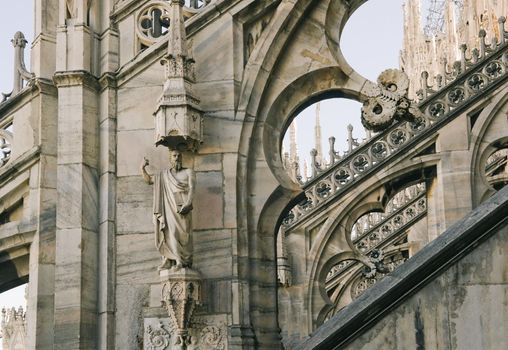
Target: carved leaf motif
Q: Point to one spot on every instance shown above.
(158, 338)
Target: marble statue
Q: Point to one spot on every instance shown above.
(173, 194)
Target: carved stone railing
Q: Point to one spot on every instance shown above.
(383, 233)
(392, 225)
(21, 75)
(487, 72)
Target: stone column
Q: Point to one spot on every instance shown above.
(43, 57)
(40, 302)
(108, 63)
(77, 235)
(76, 280)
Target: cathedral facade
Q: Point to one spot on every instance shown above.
(146, 199)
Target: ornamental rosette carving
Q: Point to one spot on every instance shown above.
(158, 338)
(212, 337)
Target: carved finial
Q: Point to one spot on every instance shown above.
(19, 40)
(315, 165)
(331, 151)
(425, 83)
(351, 142)
(21, 74)
(502, 33)
(179, 120)
(305, 170)
(439, 81)
(463, 59)
(317, 133)
(482, 34)
(293, 146)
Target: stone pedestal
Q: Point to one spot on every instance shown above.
(181, 293)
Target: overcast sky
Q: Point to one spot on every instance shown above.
(371, 43)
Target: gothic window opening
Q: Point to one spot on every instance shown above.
(152, 23)
(381, 241)
(496, 169)
(196, 4)
(320, 135)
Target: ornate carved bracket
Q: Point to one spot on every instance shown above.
(387, 101)
(181, 293)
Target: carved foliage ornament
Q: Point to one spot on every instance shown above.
(387, 101)
(158, 337)
(212, 337)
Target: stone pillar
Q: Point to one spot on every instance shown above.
(40, 302)
(107, 65)
(43, 56)
(77, 234)
(76, 44)
(453, 184)
(76, 281)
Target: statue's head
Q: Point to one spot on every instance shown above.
(175, 159)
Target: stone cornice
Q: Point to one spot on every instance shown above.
(76, 78)
(435, 258)
(17, 234)
(19, 164)
(107, 81)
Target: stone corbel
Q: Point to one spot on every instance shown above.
(181, 293)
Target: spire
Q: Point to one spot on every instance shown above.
(178, 38)
(21, 74)
(178, 117)
(305, 170)
(317, 134)
(293, 148)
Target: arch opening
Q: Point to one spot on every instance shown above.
(319, 133)
(387, 39)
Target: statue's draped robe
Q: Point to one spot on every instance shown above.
(172, 230)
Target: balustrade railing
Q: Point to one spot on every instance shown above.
(479, 74)
(387, 229)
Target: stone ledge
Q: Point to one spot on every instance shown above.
(19, 164)
(412, 276)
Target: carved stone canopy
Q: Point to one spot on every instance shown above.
(178, 119)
